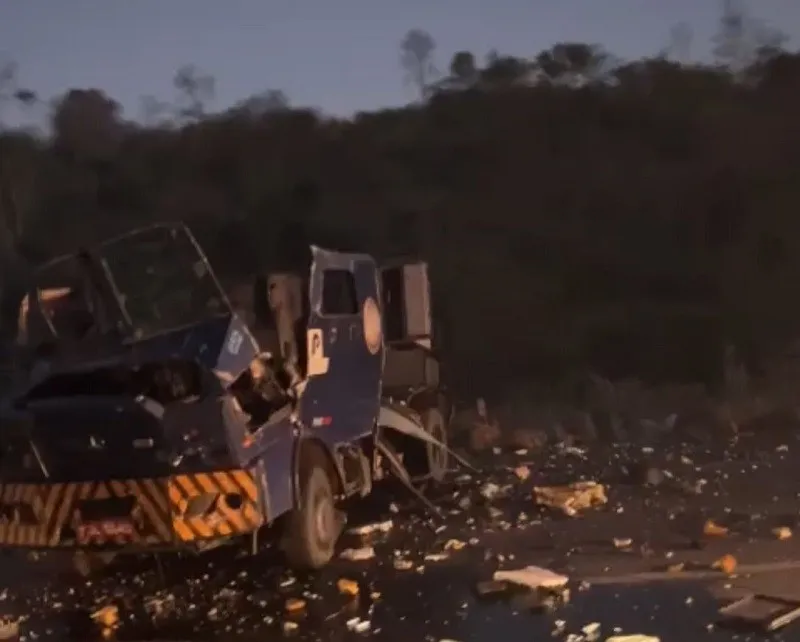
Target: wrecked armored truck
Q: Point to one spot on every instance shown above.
(158, 413)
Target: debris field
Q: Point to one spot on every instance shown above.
(629, 544)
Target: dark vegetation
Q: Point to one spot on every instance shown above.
(577, 211)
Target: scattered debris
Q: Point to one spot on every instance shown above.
(522, 472)
(572, 498)
(454, 545)
(591, 631)
(712, 529)
(358, 554)
(636, 637)
(294, 605)
(727, 564)
(622, 542)
(532, 577)
(358, 625)
(782, 532)
(347, 587)
(490, 490)
(107, 617)
(371, 529)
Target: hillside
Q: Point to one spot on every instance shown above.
(632, 222)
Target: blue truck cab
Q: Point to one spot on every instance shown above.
(161, 411)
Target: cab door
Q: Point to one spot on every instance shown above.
(344, 346)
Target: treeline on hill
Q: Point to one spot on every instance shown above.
(628, 217)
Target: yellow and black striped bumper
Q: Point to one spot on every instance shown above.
(165, 511)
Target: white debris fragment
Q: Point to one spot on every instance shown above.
(636, 637)
(454, 545)
(490, 490)
(375, 527)
(574, 451)
(533, 577)
(358, 625)
(358, 554)
(591, 631)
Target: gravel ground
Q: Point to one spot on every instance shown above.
(751, 489)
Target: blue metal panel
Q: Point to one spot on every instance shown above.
(342, 397)
(276, 462)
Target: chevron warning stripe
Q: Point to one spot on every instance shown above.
(211, 505)
(159, 511)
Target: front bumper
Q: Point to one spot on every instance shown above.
(167, 512)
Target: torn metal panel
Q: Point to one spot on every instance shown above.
(401, 473)
(391, 416)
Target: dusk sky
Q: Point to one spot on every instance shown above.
(340, 55)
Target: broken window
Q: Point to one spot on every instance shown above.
(339, 293)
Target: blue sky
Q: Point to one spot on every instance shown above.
(340, 55)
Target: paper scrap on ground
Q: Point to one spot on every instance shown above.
(533, 577)
(369, 529)
(358, 554)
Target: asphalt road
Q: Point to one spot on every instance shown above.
(751, 489)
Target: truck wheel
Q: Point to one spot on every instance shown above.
(438, 458)
(313, 528)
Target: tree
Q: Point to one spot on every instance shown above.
(679, 48)
(195, 90)
(463, 69)
(573, 64)
(263, 104)
(501, 70)
(10, 89)
(86, 123)
(603, 214)
(416, 57)
(741, 37)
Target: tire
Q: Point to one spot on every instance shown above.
(438, 459)
(313, 528)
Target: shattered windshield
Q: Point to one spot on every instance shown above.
(161, 280)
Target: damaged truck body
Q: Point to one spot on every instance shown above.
(156, 412)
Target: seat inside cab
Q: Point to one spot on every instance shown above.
(275, 308)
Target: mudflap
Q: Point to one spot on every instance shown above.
(402, 420)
